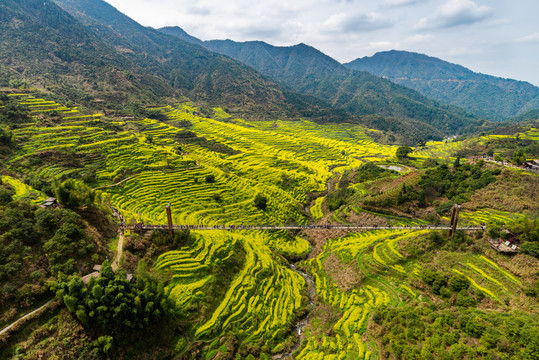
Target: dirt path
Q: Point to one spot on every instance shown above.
(116, 261)
(116, 184)
(21, 319)
(114, 266)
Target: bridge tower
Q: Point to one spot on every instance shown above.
(169, 217)
(455, 210)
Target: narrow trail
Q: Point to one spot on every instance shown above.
(114, 266)
(119, 253)
(21, 319)
(116, 184)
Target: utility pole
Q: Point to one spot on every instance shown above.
(169, 216)
(455, 210)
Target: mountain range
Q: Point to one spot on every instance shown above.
(306, 70)
(44, 45)
(486, 96)
(111, 62)
(88, 52)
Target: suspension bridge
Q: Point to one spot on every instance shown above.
(452, 227)
(302, 227)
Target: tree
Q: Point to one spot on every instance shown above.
(530, 248)
(5, 196)
(68, 244)
(458, 282)
(261, 202)
(14, 114)
(72, 193)
(421, 142)
(456, 164)
(519, 157)
(104, 344)
(403, 151)
(6, 135)
(111, 303)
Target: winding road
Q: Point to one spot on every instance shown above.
(21, 319)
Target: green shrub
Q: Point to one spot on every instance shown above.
(458, 282)
(5, 196)
(428, 276)
(261, 202)
(475, 327)
(465, 300)
(530, 248)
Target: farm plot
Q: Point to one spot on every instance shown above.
(356, 304)
(23, 191)
(260, 303)
(437, 150)
(484, 275)
(488, 217)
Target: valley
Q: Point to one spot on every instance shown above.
(240, 288)
(165, 197)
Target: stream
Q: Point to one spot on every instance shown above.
(304, 320)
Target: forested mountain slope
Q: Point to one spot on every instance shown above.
(306, 70)
(44, 46)
(200, 74)
(484, 95)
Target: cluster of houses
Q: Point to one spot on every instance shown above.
(530, 165)
(508, 246)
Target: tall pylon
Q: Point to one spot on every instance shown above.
(455, 210)
(169, 217)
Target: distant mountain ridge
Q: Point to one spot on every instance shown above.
(487, 96)
(306, 70)
(88, 52)
(200, 74)
(44, 44)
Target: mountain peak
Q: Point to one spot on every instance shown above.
(180, 33)
(484, 95)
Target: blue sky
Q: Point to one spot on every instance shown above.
(495, 37)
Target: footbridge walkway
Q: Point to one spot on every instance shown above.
(302, 227)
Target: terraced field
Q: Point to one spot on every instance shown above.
(373, 273)
(140, 165)
(374, 255)
(489, 217)
(23, 191)
(260, 304)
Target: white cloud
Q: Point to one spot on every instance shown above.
(532, 38)
(419, 38)
(384, 45)
(356, 22)
(455, 13)
(402, 2)
(458, 51)
(199, 10)
(360, 27)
